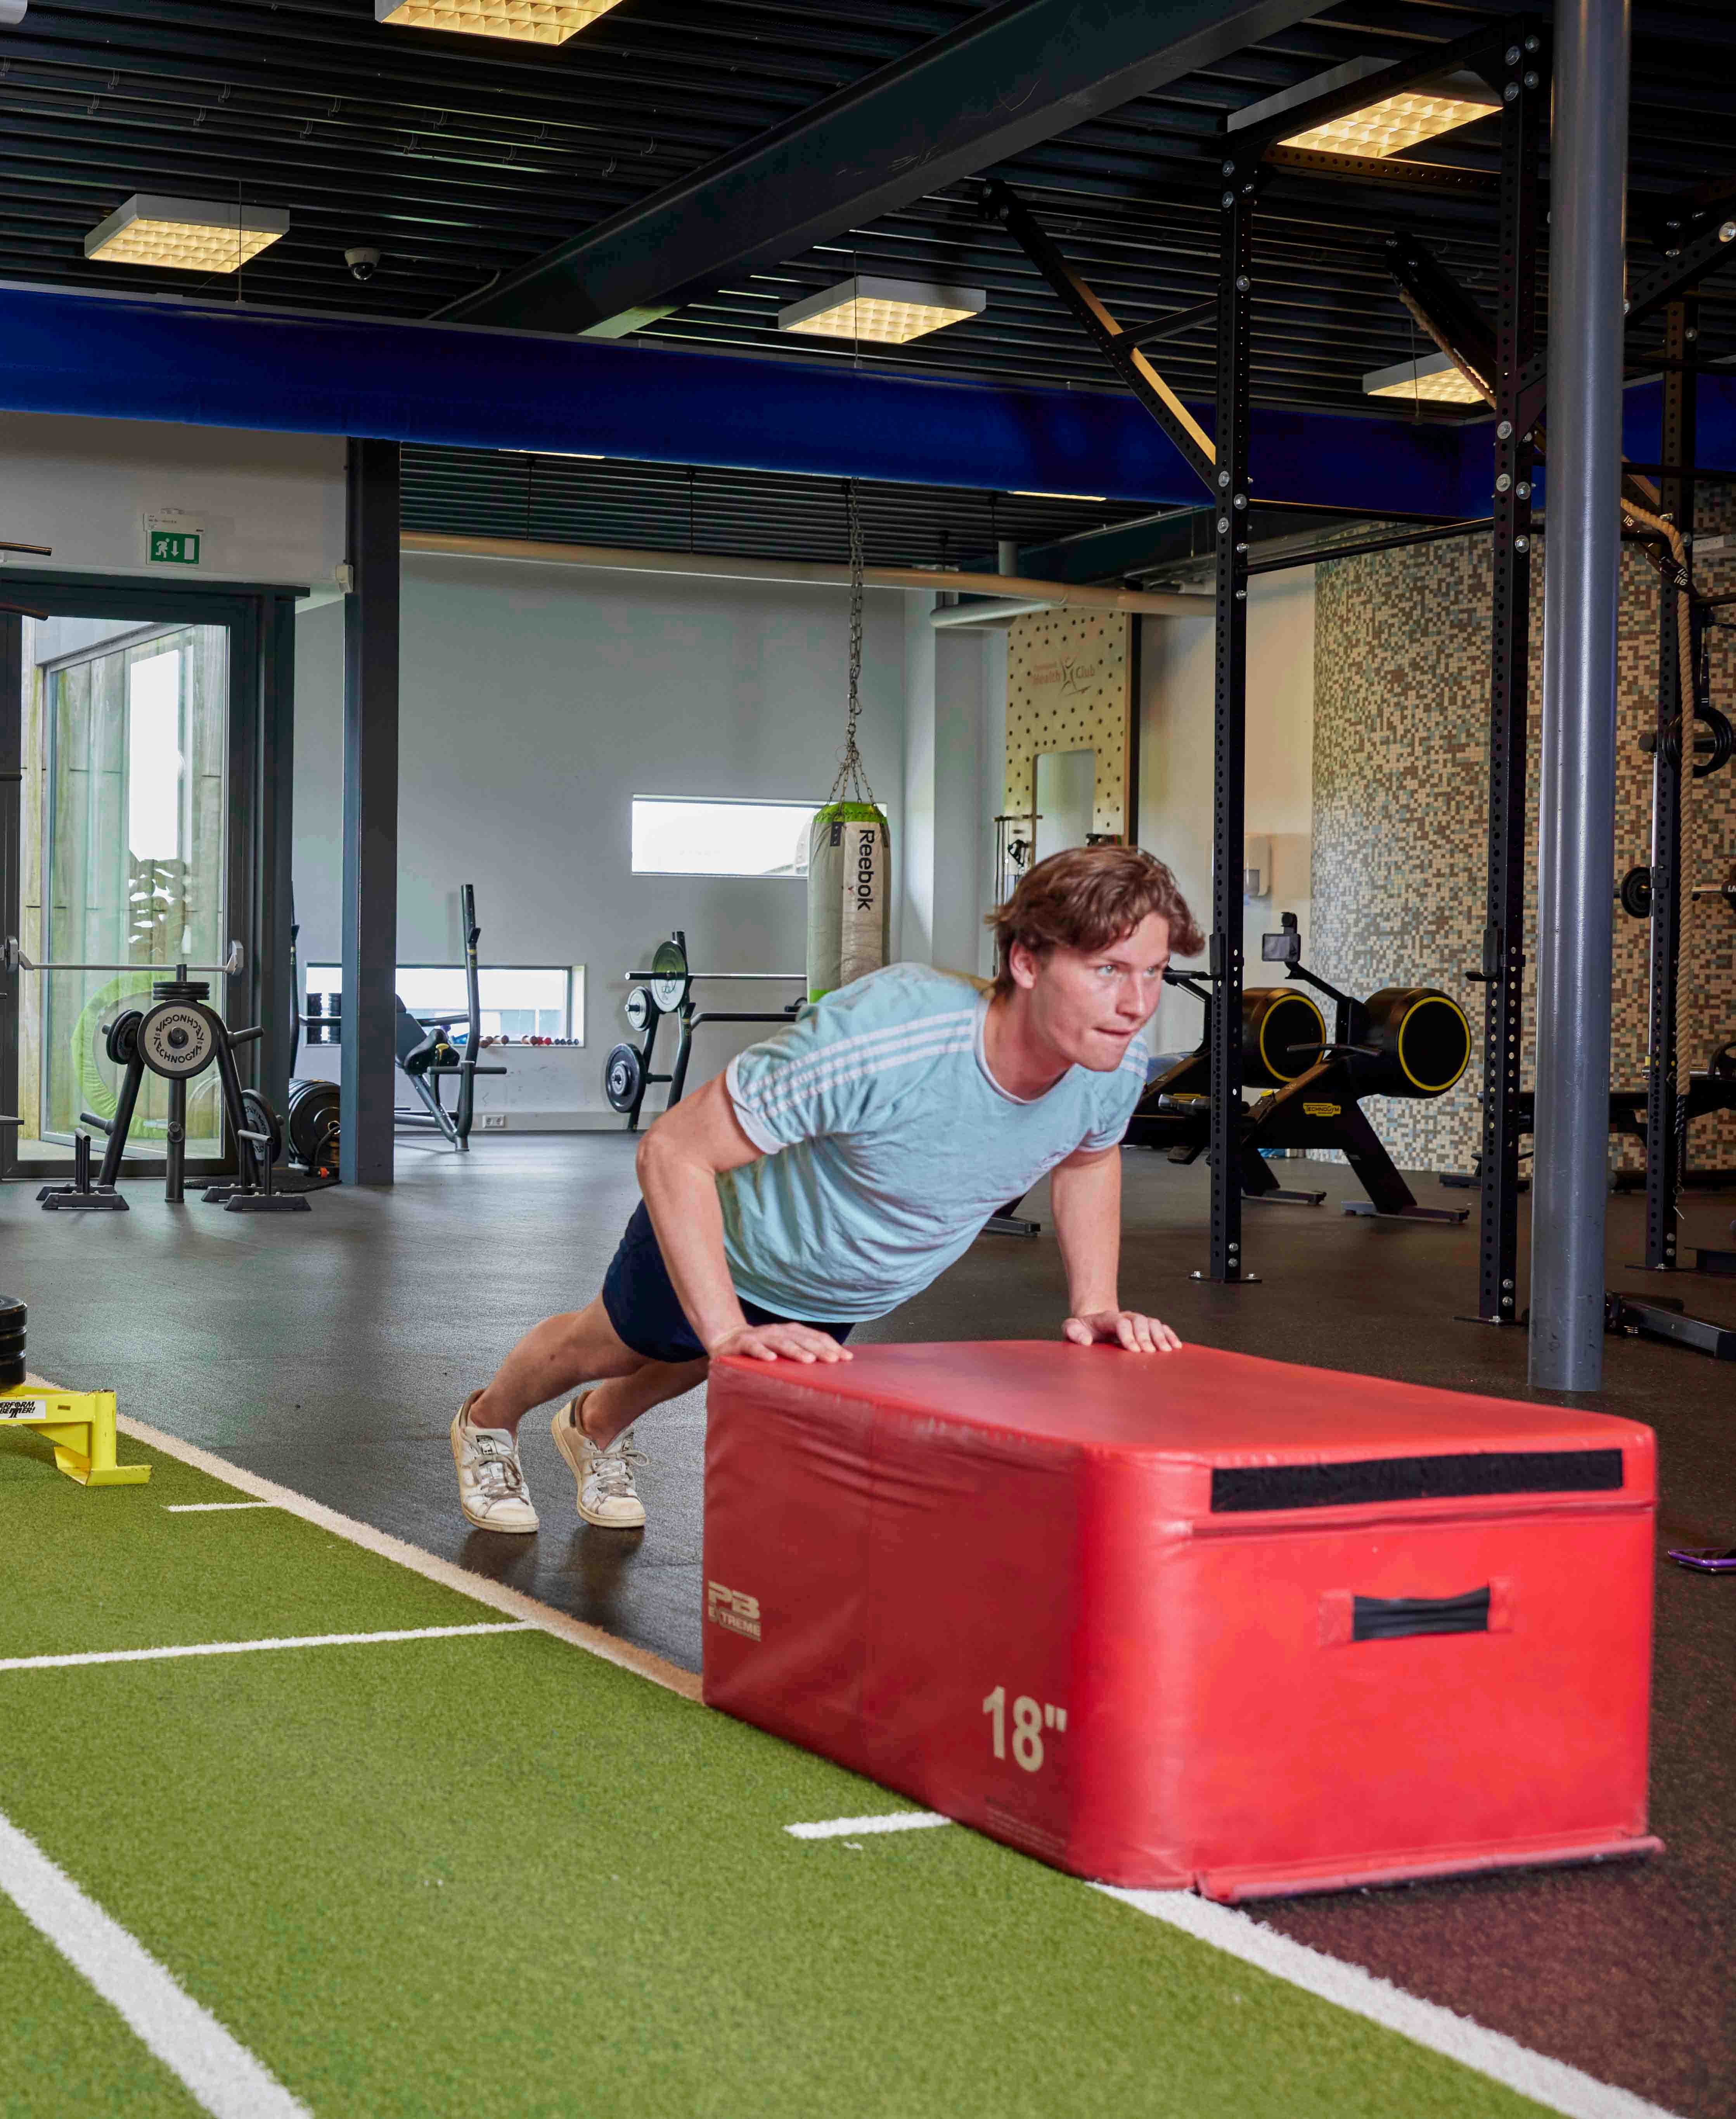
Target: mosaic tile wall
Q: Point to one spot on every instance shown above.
(1401, 677)
(1067, 689)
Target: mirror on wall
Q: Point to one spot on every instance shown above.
(1064, 798)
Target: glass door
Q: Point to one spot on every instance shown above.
(131, 724)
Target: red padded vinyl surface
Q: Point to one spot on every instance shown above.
(893, 1543)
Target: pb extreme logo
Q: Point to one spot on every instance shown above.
(731, 1610)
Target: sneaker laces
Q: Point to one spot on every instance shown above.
(613, 1469)
(499, 1471)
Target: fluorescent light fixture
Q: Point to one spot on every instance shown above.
(188, 235)
(1436, 379)
(1386, 127)
(887, 312)
(531, 21)
(1026, 493)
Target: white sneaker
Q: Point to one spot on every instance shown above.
(607, 1495)
(491, 1481)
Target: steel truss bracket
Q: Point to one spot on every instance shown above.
(1375, 169)
(1119, 348)
(1696, 258)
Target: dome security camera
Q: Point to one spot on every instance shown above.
(364, 262)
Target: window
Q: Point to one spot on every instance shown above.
(676, 837)
(518, 1000)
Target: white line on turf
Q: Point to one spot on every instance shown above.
(248, 1648)
(842, 1827)
(478, 1587)
(221, 2074)
(1551, 2083)
(212, 1507)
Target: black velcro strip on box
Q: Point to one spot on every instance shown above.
(1238, 1489)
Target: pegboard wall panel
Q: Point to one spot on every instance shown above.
(1401, 688)
(1067, 689)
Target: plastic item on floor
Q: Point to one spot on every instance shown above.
(1194, 1619)
(1706, 1560)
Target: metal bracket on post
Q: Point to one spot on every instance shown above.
(1518, 404)
(1235, 311)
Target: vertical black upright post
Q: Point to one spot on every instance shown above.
(370, 814)
(12, 868)
(1663, 1056)
(1525, 86)
(1235, 308)
(277, 999)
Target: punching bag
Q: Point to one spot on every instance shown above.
(849, 894)
(850, 844)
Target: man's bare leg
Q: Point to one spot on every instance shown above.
(564, 1353)
(555, 1359)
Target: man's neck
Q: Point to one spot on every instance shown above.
(1021, 1061)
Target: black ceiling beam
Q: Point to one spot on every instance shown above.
(1170, 326)
(1000, 83)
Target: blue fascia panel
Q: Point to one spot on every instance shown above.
(472, 388)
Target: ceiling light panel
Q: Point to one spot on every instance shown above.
(183, 234)
(881, 312)
(1390, 126)
(1435, 380)
(531, 21)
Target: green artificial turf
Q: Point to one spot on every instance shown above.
(501, 1876)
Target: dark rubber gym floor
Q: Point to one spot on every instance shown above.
(329, 1350)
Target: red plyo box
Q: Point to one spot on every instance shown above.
(1194, 1619)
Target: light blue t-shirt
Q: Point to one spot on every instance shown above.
(887, 1143)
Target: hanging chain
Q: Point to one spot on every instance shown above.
(851, 779)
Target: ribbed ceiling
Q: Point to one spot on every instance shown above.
(461, 157)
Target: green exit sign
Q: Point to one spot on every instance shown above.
(174, 548)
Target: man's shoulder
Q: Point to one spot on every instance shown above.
(898, 995)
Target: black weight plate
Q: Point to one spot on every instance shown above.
(178, 1039)
(11, 1374)
(669, 977)
(623, 1072)
(639, 1007)
(313, 1110)
(263, 1118)
(1635, 894)
(121, 1040)
(14, 1315)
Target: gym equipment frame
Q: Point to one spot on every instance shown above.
(667, 989)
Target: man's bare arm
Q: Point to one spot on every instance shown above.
(1085, 1192)
(679, 1162)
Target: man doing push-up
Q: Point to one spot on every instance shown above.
(834, 1170)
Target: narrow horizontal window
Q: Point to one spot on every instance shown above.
(676, 837)
(518, 1000)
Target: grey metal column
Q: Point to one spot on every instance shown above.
(370, 814)
(1582, 551)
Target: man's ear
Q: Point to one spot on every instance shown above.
(1023, 962)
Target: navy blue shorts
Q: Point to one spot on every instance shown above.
(645, 1309)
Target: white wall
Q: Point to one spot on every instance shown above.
(270, 506)
(1175, 791)
(535, 702)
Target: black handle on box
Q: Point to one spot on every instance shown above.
(1396, 1618)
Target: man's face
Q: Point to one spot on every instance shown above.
(1088, 1005)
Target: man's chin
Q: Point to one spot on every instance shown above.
(1103, 1054)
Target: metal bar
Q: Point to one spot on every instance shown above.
(1698, 255)
(1577, 842)
(1503, 934)
(1135, 370)
(1003, 81)
(1170, 326)
(229, 968)
(370, 912)
(1316, 553)
(1664, 1138)
(1229, 772)
(1354, 88)
(1375, 169)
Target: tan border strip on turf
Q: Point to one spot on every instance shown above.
(476, 1587)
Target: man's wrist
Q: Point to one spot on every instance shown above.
(713, 1337)
(1094, 1306)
